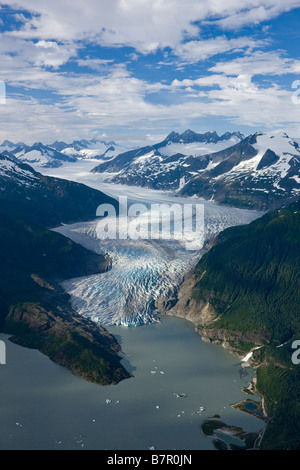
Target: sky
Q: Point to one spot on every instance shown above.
(135, 70)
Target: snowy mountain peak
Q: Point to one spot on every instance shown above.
(278, 142)
(8, 144)
(93, 149)
(58, 145)
(173, 135)
(190, 136)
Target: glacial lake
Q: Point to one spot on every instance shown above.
(44, 406)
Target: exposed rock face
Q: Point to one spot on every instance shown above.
(185, 306)
(205, 319)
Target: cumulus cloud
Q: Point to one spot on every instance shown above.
(142, 24)
(256, 12)
(47, 49)
(194, 51)
(259, 63)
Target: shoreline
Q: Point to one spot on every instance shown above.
(252, 388)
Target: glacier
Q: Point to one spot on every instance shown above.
(142, 270)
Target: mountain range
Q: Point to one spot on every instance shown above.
(59, 152)
(146, 165)
(259, 171)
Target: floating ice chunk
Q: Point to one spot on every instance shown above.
(162, 372)
(201, 409)
(153, 372)
(151, 448)
(108, 400)
(157, 407)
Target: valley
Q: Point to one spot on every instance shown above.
(146, 278)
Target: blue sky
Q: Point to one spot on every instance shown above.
(134, 70)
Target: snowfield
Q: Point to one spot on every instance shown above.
(197, 148)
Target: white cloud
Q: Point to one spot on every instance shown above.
(194, 51)
(111, 96)
(95, 64)
(19, 53)
(142, 24)
(120, 101)
(256, 12)
(259, 63)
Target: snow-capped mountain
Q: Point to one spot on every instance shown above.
(148, 166)
(89, 149)
(38, 154)
(8, 146)
(56, 154)
(261, 170)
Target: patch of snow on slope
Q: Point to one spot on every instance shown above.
(36, 156)
(244, 166)
(9, 169)
(144, 158)
(296, 178)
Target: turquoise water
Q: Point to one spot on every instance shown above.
(250, 406)
(44, 406)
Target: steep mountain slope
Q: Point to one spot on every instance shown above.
(262, 291)
(45, 200)
(262, 171)
(245, 293)
(33, 260)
